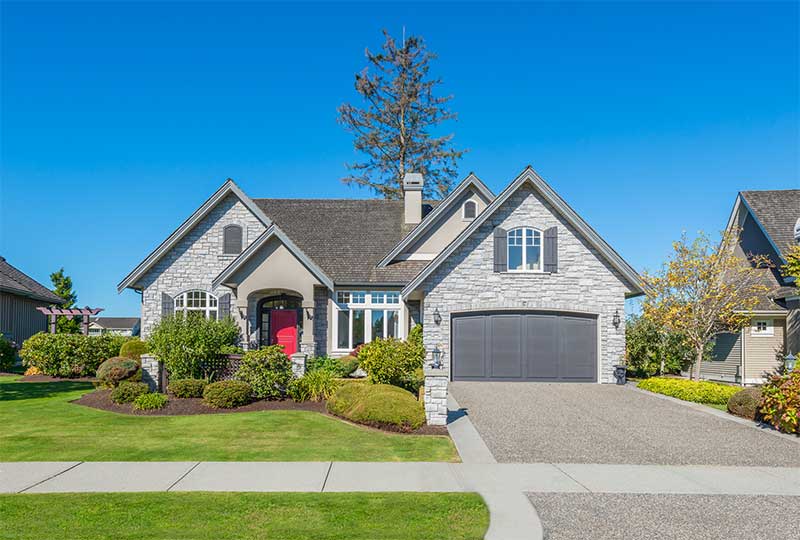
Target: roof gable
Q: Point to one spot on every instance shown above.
(776, 213)
(229, 187)
(17, 282)
(529, 176)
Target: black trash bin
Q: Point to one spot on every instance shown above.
(621, 374)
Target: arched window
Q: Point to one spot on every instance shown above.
(469, 210)
(232, 240)
(524, 250)
(197, 302)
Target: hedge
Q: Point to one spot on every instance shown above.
(686, 390)
(187, 388)
(378, 405)
(267, 370)
(227, 394)
(128, 391)
(314, 385)
(69, 355)
(115, 370)
(780, 404)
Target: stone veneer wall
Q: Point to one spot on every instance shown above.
(196, 260)
(585, 282)
(321, 297)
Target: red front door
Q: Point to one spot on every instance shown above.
(283, 329)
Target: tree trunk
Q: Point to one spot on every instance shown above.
(698, 361)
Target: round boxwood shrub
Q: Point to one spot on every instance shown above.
(227, 394)
(378, 405)
(128, 391)
(745, 403)
(267, 370)
(115, 370)
(150, 402)
(187, 388)
(134, 348)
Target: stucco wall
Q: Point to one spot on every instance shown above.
(585, 282)
(196, 260)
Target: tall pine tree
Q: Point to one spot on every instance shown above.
(394, 128)
(62, 286)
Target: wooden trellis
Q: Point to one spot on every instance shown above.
(69, 313)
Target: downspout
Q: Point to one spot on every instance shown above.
(743, 355)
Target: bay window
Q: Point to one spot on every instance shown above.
(362, 316)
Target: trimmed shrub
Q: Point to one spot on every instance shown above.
(150, 402)
(267, 370)
(379, 405)
(128, 391)
(8, 353)
(69, 355)
(115, 370)
(134, 348)
(696, 391)
(340, 367)
(227, 394)
(391, 361)
(314, 385)
(349, 365)
(745, 403)
(187, 388)
(191, 345)
(780, 405)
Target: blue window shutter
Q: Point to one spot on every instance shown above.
(551, 250)
(500, 250)
(167, 305)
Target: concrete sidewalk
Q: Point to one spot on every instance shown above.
(501, 484)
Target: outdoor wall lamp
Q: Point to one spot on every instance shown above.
(437, 358)
(437, 317)
(789, 361)
(615, 320)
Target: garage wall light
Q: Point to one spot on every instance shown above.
(615, 320)
(437, 317)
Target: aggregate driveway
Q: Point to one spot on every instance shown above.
(592, 423)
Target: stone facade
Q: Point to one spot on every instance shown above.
(196, 259)
(321, 300)
(151, 372)
(435, 396)
(585, 281)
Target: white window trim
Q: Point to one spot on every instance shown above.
(464, 210)
(368, 306)
(522, 269)
(206, 311)
(769, 332)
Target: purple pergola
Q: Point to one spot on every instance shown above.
(69, 313)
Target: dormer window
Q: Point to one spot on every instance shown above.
(469, 210)
(524, 250)
(232, 240)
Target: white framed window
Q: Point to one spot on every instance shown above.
(524, 250)
(762, 328)
(469, 210)
(197, 302)
(362, 317)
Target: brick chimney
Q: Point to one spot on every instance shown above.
(412, 196)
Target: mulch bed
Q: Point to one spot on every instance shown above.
(48, 378)
(101, 399)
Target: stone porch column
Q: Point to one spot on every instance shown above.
(435, 396)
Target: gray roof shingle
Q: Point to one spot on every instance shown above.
(116, 322)
(777, 211)
(16, 282)
(347, 237)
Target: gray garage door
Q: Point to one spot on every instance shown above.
(524, 346)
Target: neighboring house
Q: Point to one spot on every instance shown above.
(20, 295)
(768, 221)
(120, 326)
(509, 287)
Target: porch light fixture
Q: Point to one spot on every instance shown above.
(615, 320)
(437, 358)
(789, 361)
(437, 317)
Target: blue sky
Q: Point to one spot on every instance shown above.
(118, 120)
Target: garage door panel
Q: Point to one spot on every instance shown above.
(541, 346)
(469, 343)
(524, 345)
(505, 349)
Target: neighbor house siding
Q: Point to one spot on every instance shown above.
(726, 359)
(585, 281)
(764, 354)
(19, 319)
(196, 260)
(793, 329)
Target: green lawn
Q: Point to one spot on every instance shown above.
(284, 516)
(39, 424)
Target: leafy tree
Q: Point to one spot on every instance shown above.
(394, 127)
(650, 350)
(792, 266)
(62, 286)
(705, 289)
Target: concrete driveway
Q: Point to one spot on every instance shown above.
(593, 423)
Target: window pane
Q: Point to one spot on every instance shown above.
(392, 298)
(359, 320)
(378, 297)
(470, 209)
(392, 323)
(377, 323)
(358, 297)
(343, 297)
(514, 257)
(343, 330)
(532, 257)
(179, 301)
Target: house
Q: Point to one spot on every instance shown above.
(515, 286)
(20, 295)
(768, 222)
(120, 326)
